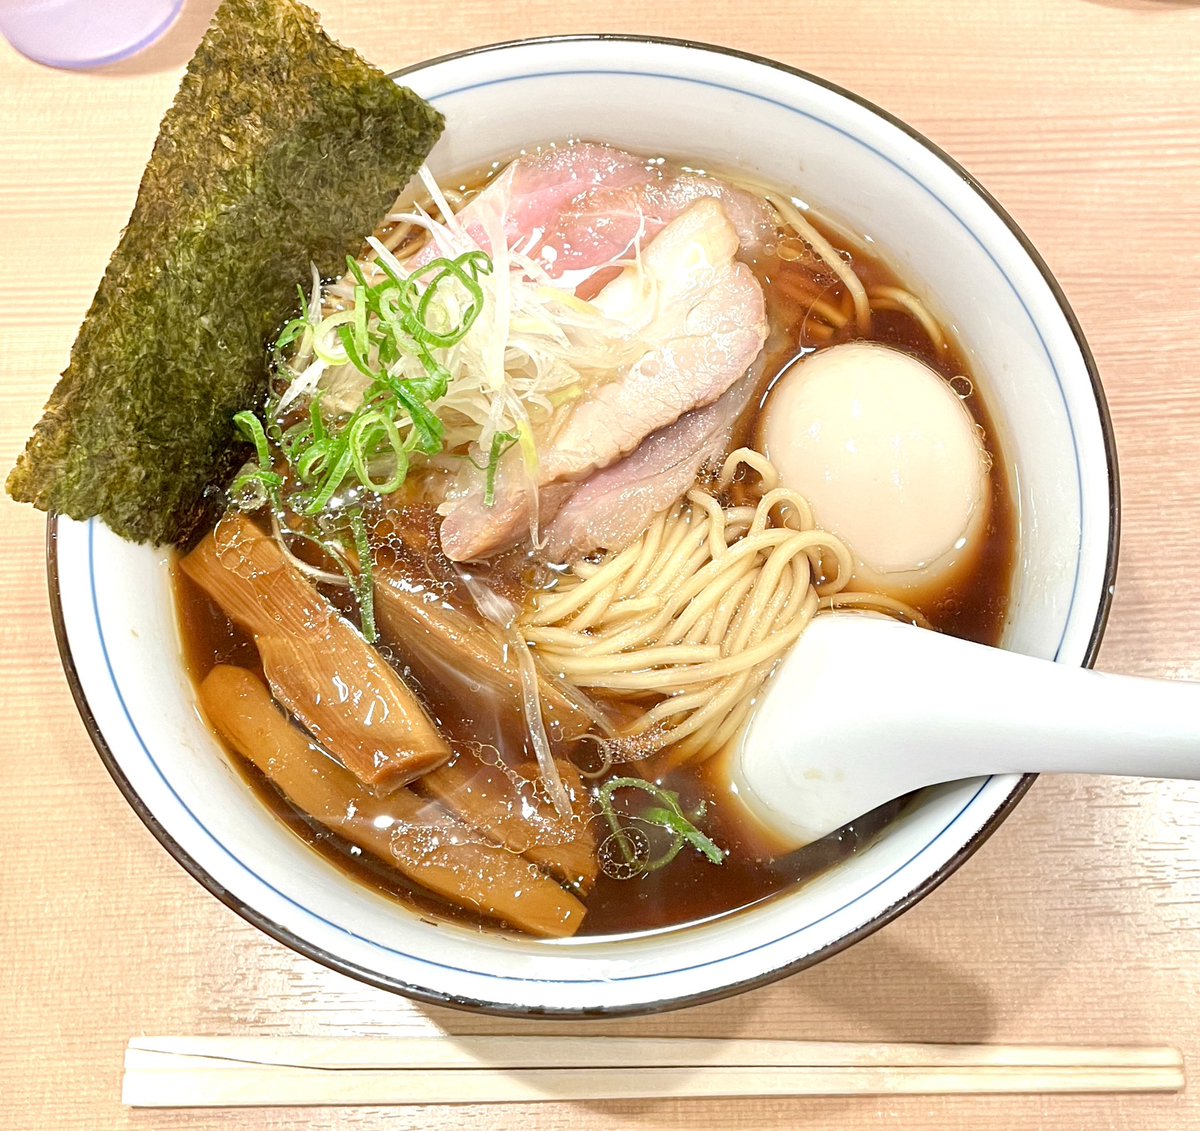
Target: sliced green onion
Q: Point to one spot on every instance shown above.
(391, 321)
(364, 587)
(674, 820)
(253, 487)
(355, 269)
(667, 815)
(358, 356)
(324, 328)
(251, 427)
(451, 334)
(365, 436)
(501, 442)
(340, 459)
(429, 428)
(360, 318)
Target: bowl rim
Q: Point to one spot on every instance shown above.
(423, 994)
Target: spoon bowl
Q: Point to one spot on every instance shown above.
(866, 709)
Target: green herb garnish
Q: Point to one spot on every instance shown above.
(364, 580)
(332, 461)
(501, 442)
(255, 486)
(397, 318)
(668, 814)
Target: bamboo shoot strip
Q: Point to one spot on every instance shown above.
(317, 664)
(433, 636)
(414, 835)
(486, 798)
(444, 645)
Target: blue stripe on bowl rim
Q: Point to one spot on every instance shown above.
(387, 981)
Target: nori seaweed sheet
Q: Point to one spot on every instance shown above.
(281, 149)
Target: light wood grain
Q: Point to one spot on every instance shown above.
(1078, 922)
(195, 1072)
(222, 1087)
(560, 1053)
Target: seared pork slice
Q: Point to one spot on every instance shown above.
(611, 222)
(474, 530)
(702, 317)
(317, 664)
(705, 324)
(525, 199)
(578, 208)
(615, 505)
(414, 835)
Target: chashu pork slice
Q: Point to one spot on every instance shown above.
(701, 316)
(526, 198)
(614, 506)
(612, 221)
(577, 209)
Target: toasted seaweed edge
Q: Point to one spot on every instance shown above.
(281, 148)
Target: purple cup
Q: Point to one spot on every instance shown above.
(79, 34)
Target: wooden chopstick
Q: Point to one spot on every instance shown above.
(253, 1071)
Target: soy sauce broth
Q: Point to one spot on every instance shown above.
(690, 889)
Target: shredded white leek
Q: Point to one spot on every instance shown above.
(502, 612)
(534, 345)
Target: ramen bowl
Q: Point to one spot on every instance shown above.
(948, 240)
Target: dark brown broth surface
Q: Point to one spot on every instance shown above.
(690, 889)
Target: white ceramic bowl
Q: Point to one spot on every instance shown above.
(946, 238)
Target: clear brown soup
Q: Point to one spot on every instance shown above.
(972, 605)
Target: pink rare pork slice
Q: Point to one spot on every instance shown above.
(577, 208)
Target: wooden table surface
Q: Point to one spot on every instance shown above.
(1078, 922)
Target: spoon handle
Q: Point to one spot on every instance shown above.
(1039, 717)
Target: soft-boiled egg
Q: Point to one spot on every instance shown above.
(889, 459)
